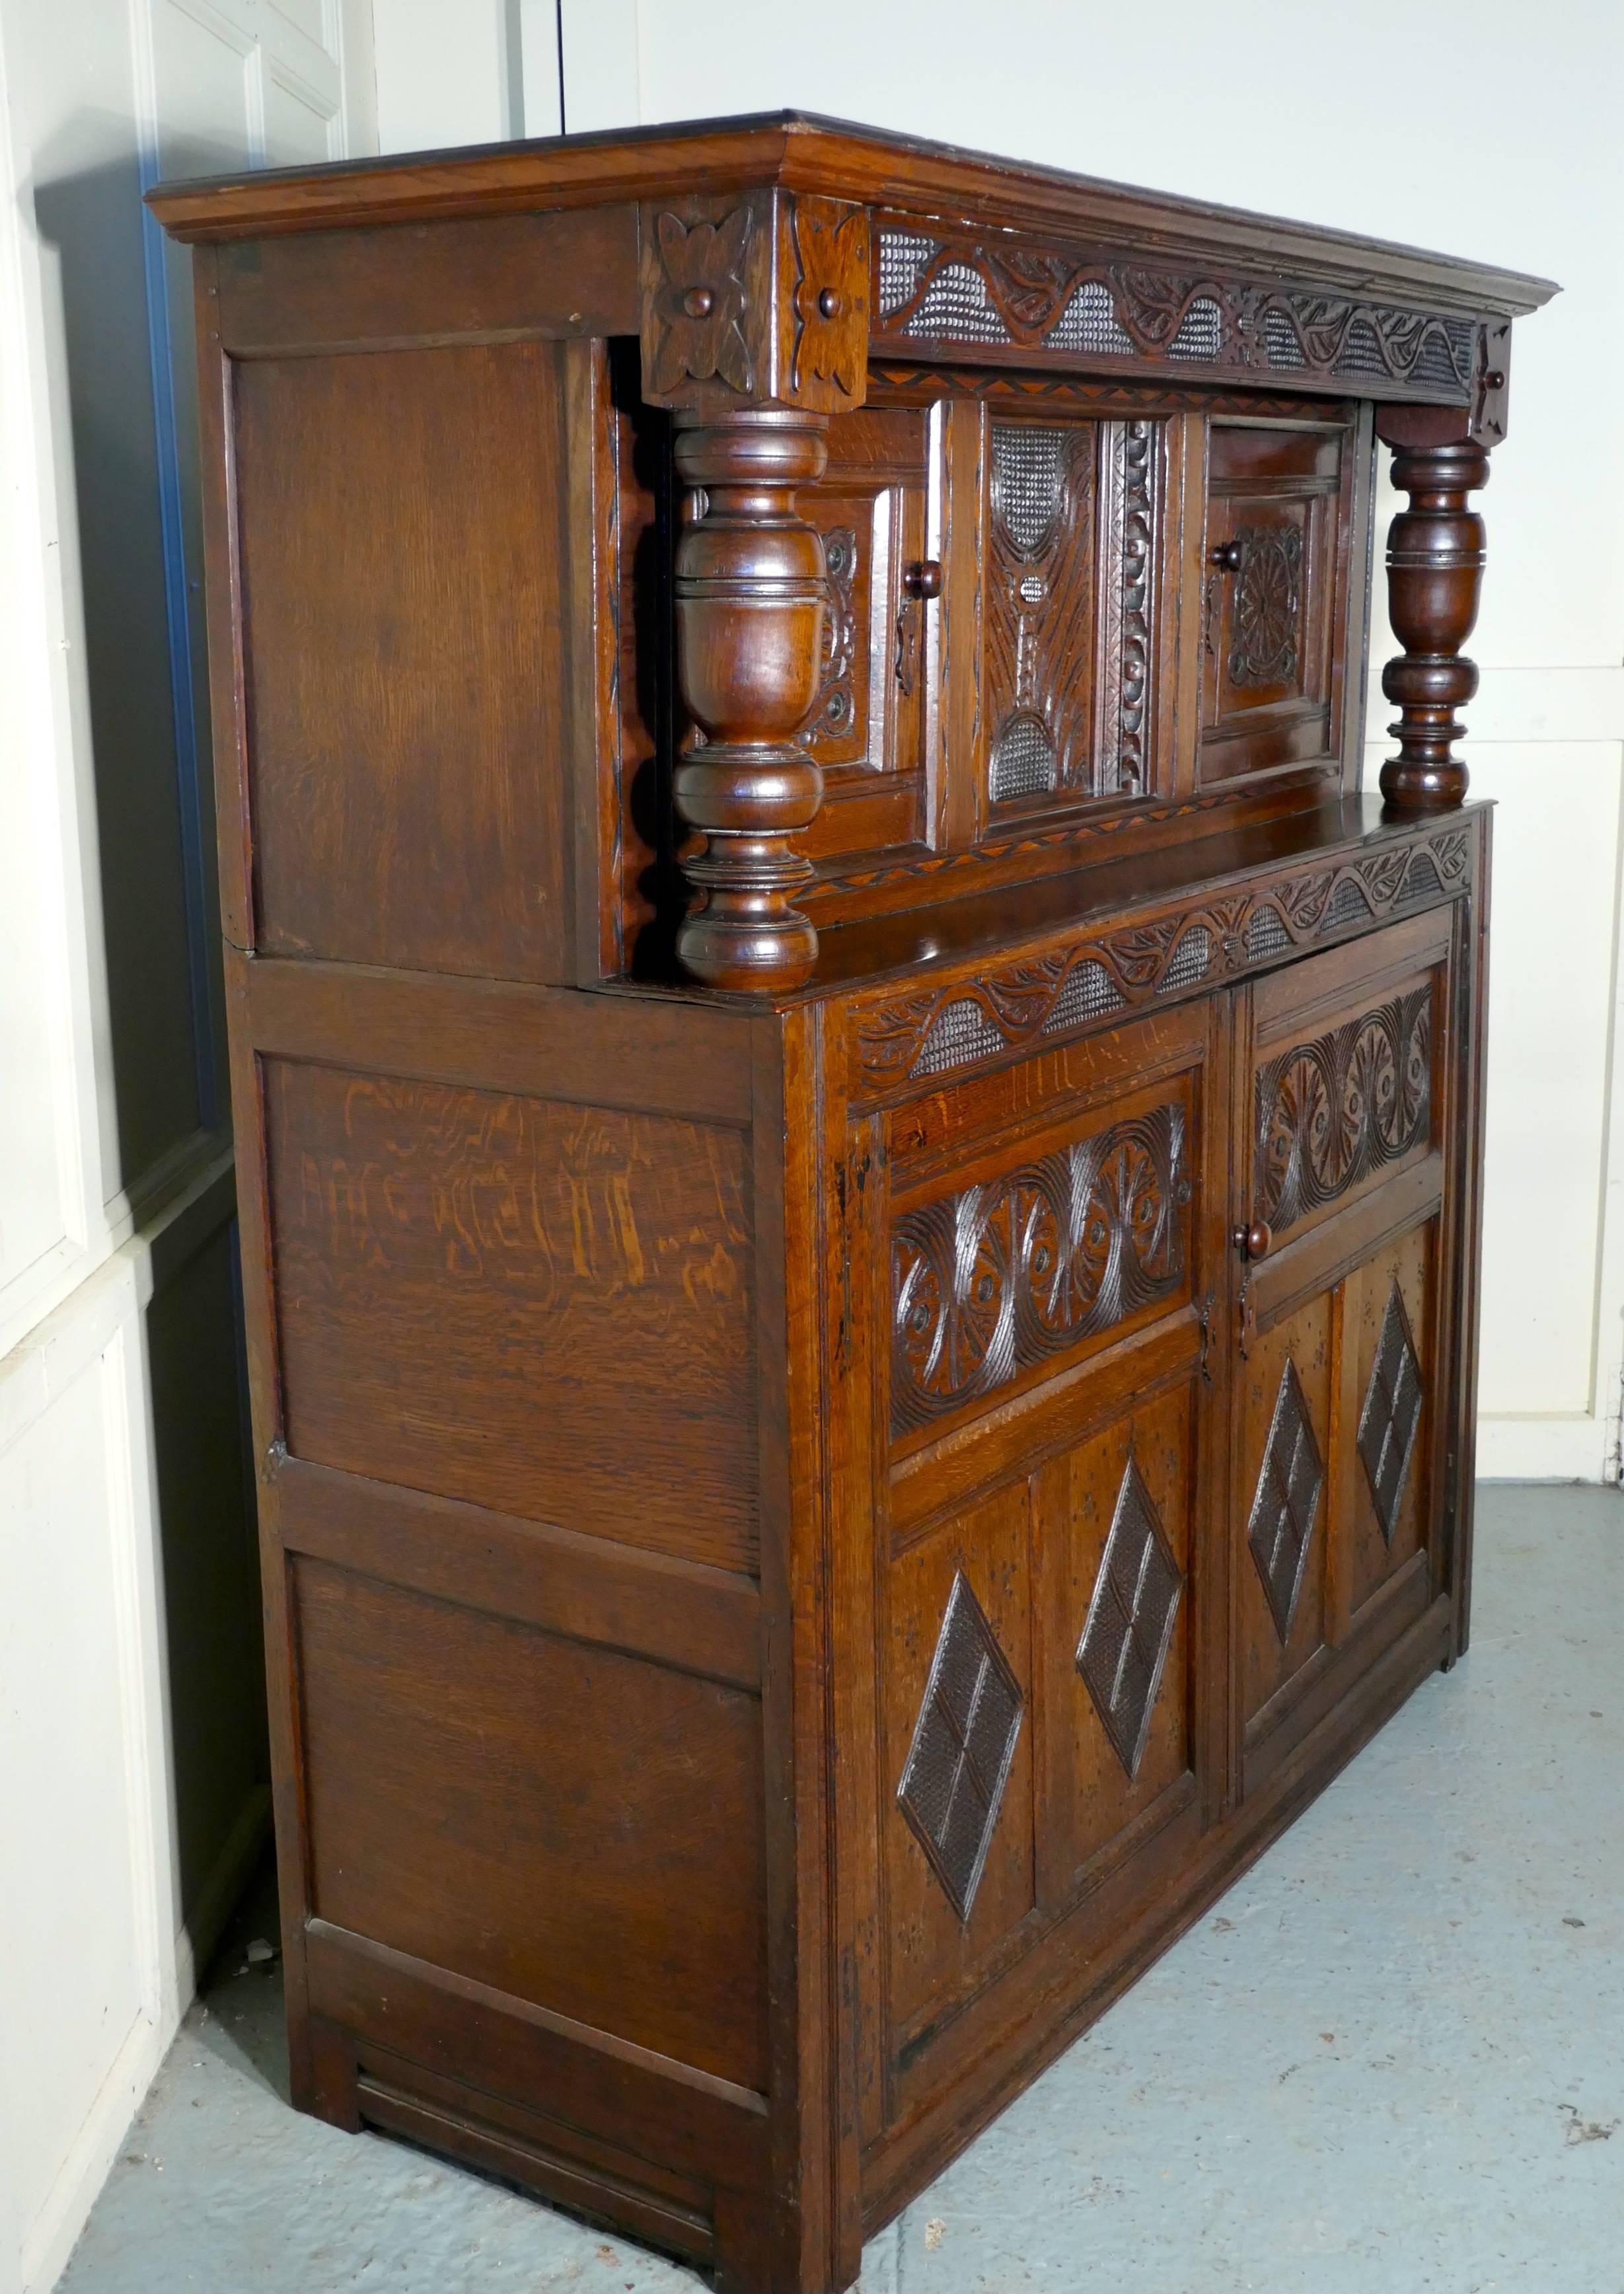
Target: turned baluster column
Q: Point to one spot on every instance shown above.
(750, 588)
(1434, 574)
(754, 332)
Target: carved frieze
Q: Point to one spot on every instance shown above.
(991, 1280)
(946, 1027)
(938, 286)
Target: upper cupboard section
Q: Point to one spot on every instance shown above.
(1046, 612)
(457, 719)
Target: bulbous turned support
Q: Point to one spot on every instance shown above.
(1435, 573)
(750, 587)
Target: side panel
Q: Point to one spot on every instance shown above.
(404, 542)
(478, 1291)
(503, 1303)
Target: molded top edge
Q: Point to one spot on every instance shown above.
(804, 152)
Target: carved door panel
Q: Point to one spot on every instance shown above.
(1277, 528)
(1046, 1617)
(1073, 517)
(1336, 1533)
(866, 727)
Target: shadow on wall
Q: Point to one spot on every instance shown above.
(159, 930)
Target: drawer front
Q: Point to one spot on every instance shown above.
(1275, 598)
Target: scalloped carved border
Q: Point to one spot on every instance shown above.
(935, 286)
(962, 1023)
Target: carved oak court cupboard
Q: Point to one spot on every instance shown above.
(859, 1154)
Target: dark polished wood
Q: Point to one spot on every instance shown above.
(751, 581)
(859, 1156)
(1435, 560)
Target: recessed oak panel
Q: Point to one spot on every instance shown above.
(535, 1305)
(573, 1827)
(1281, 1500)
(405, 679)
(1126, 1695)
(1389, 1333)
(935, 1954)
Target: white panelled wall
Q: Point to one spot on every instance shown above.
(132, 1791)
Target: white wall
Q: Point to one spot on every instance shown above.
(133, 1794)
(1500, 140)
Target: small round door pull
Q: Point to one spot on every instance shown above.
(1231, 555)
(1252, 1241)
(923, 579)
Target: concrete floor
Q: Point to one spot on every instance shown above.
(1391, 2059)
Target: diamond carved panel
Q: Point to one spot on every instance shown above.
(1123, 1648)
(964, 1740)
(1289, 1481)
(1391, 1419)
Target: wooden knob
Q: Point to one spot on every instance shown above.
(699, 302)
(923, 579)
(829, 303)
(1252, 1241)
(1230, 554)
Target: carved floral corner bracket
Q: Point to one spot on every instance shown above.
(830, 245)
(762, 301)
(699, 303)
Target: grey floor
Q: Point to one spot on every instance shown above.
(1389, 2060)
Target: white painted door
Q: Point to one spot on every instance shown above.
(132, 1823)
(221, 85)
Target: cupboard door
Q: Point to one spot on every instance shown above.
(1336, 1541)
(1046, 1604)
(865, 728)
(1276, 523)
(1075, 516)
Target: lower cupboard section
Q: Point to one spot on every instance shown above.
(1079, 1963)
(1110, 1680)
(1049, 1749)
